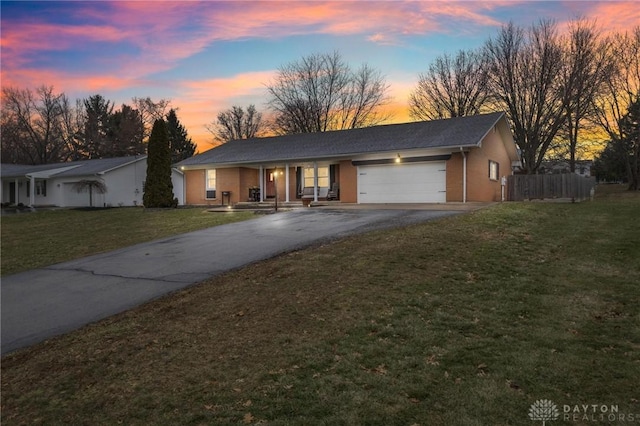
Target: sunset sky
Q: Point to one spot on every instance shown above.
(208, 56)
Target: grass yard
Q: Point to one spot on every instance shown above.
(32, 240)
(463, 321)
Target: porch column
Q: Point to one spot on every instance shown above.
(32, 191)
(261, 183)
(315, 181)
(464, 177)
(16, 191)
(286, 182)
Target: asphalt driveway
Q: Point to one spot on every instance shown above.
(47, 302)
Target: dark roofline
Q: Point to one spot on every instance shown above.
(445, 134)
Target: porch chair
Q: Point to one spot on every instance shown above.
(334, 193)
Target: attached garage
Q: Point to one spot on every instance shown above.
(403, 183)
(73, 198)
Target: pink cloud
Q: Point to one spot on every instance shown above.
(168, 34)
(615, 16)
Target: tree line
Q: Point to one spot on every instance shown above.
(562, 93)
(41, 126)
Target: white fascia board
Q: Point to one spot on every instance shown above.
(46, 174)
(142, 157)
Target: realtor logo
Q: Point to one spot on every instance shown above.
(543, 410)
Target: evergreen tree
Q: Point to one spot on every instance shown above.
(126, 132)
(98, 112)
(180, 143)
(158, 189)
(630, 143)
(620, 160)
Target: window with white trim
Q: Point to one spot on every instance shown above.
(494, 170)
(211, 184)
(323, 177)
(41, 187)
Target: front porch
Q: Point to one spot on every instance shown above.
(261, 186)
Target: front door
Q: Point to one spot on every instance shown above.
(12, 192)
(270, 189)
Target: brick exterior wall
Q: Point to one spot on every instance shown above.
(234, 179)
(454, 178)
(348, 178)
(479, 186)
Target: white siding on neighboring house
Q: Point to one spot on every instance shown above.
(124, 185)
(177, 178)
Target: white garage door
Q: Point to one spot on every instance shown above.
(74, 199)
(403, 183)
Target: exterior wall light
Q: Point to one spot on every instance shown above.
(398, 159)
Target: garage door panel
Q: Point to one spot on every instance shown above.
(402, 183)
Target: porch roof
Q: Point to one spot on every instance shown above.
(447, 133)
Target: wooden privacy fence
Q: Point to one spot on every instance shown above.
(531, 187)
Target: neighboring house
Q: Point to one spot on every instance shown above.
(583, 167)
(458, 159)
(56, 184)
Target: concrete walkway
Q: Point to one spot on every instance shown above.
(47, 302)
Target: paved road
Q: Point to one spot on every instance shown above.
(47, 302)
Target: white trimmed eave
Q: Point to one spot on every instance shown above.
(46, 174)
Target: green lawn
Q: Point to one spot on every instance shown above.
(32, 240)
(463, 321)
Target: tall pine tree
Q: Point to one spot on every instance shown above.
(158, 189)
(630, 143)
(180, 143)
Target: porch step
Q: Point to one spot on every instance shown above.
(265, 205)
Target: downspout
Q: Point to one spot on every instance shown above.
(464, 175)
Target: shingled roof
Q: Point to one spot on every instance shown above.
(69, 169)
(446, 133)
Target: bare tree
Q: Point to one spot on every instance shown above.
(360, 105)
(320, 92)
(451, 87)
(622, 85)
(150, 111)
(586, 66)
(72, 127)
(32, 126)
(236, 123)
(524, 65)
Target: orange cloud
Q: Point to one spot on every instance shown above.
(201, 101)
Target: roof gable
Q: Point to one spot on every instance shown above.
(454, 132)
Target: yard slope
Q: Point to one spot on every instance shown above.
(466, 320)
